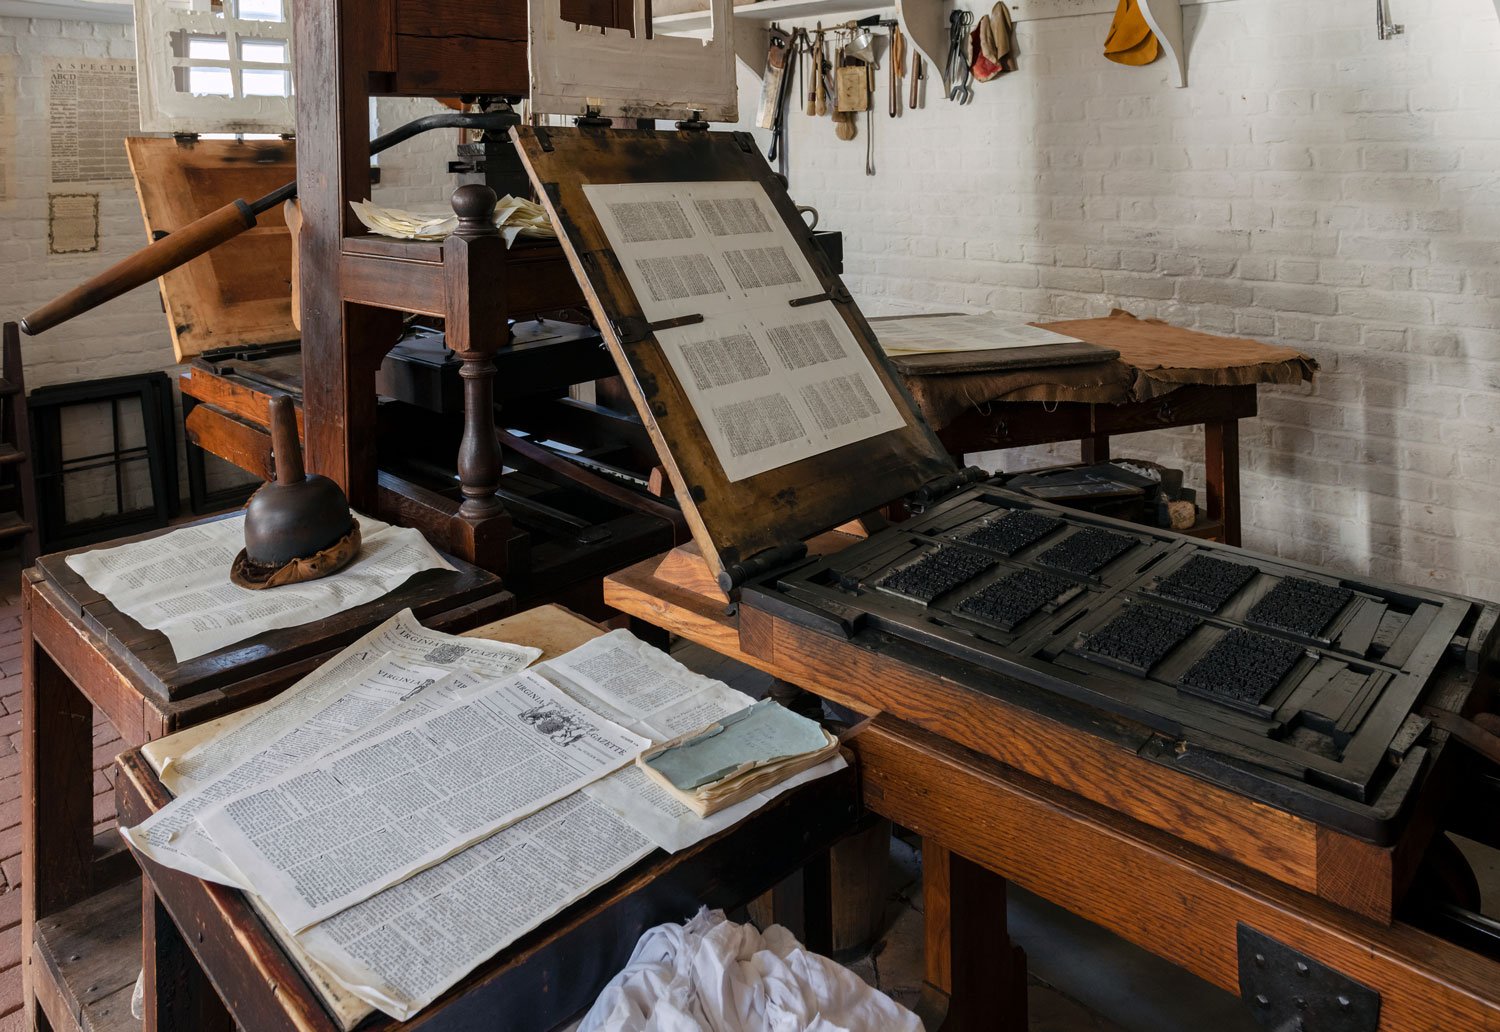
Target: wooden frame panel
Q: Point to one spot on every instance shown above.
(241, 292)
(1152, 889)
(729, 521)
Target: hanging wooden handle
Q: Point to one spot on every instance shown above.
(155, 259)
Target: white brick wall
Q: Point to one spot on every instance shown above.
(1312, 186)
(128, 335)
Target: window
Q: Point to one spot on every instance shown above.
(216, 65)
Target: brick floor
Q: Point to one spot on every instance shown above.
(106, 745)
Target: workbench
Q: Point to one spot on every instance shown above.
(80, 920)
(212, 964)
(1135, 847)
(1156, 377)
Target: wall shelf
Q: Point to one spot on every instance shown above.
(925, 22)
(829, 11)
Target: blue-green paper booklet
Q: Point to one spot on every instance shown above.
(739, 755)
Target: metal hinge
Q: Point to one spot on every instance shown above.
(592, 119)
(736, 574)
(1288, 991)
(935, 491)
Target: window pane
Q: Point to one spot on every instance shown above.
(261, 82)
(210, 81)
(208, 48)
(261, 10)
(262, 51)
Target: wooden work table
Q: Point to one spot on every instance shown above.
(212, 963)
(1149, 854)
(81, 922)
(1152, 376)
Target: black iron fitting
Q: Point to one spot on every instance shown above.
(1287, 989)
(488, 121)
(936, 490)
(736, 574)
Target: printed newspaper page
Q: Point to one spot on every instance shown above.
(772, 383)
(787, 384)
(383, 949)
(402, 636)
(172, 837)
(405, 947)
(91, 108)
(179, 583)
(656, 696)
(333, 832)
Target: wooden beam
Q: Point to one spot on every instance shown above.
(1177, 901)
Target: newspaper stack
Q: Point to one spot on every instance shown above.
(737, 756)
(418, 775)
(514, 216)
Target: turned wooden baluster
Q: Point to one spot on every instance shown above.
(476, 329)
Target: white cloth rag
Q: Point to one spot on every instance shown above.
(713, 975)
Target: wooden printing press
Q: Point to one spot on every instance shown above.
(573, 491)
(576, 481)
(1244, 764)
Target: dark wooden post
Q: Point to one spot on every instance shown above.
(57, 798)
(1222, 472)
(473, 271)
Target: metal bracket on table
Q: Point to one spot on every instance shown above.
(1288, 991)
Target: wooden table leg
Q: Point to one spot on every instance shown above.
(178, 995)
(969, 955)
(57, 798)
(1222, 466)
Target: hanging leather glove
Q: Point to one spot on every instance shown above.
(1130, 40)
(991, 43)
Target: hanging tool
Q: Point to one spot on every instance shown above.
(820, 100)
(849, 94)
(203, 235)
(776, 66)
(1384, 27)
(810, 74)
(897, 58)
(918, 74)
(870, 120)
(960, 24)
